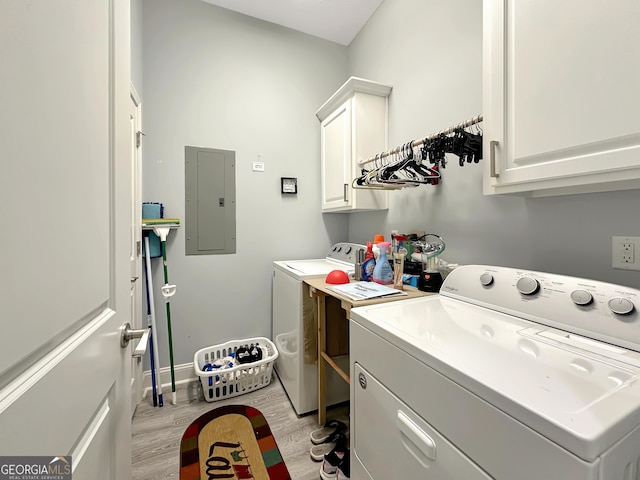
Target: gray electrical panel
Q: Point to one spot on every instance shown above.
(210, 201)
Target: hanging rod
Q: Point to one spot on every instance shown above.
(417, 143)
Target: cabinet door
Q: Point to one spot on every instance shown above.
(561, 96)
(336, 158)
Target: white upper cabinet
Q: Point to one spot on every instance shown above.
(353, 127)
(561, 96)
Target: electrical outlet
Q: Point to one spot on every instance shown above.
(624, 253)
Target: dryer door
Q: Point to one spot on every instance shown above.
(391, 441)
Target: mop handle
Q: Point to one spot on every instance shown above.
(153, 322)
(151, 360)
(166, 281)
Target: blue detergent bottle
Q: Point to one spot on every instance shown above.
(383, 273)
(369, 264)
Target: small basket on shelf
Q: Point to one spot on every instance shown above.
(222, 374)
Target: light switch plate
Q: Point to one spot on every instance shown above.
(258, 166)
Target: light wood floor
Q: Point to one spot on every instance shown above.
(157, 431)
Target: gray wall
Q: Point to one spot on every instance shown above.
(214, 78)
(433, 59)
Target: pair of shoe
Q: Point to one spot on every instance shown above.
(326, 438)
(329, 431)
(336, 464)
(317, 452)
(250, 354)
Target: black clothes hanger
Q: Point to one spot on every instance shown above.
(406, 167)
(467, 146)
(409, 170)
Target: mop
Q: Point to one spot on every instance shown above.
(156, 358)
(167, 292)
(150, 326)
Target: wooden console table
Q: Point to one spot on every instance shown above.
(318, 290)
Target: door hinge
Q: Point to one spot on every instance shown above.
(139, 135)
(139, 247)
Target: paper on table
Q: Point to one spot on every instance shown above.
(365, 290)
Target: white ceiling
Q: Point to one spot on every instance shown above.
(335, 20)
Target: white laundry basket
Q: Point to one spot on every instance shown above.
(239, 379)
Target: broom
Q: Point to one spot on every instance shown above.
(161, 227)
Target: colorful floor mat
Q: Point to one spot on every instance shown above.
(231, 442)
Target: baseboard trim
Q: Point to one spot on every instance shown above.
(183, 373)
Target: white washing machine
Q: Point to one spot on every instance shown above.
(506, 374)
(294, 328)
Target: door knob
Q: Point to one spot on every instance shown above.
(127, 334)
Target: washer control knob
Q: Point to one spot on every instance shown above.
(486, 279)
(581, 297)
(348, 251)
(527, 285)
(620, 305)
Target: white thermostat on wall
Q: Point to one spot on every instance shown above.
(289, 185)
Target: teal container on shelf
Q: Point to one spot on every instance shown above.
(152, 210)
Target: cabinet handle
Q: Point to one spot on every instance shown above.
(346, 185)
(492, 153)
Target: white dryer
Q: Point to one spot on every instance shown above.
(294, 328)
(507, 374)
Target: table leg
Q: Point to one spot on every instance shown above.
(322, 346)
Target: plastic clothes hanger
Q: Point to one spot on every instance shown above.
(415, 171)
(394, 172)
(369, 178)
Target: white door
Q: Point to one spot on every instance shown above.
(135, 236)
(64, 240)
